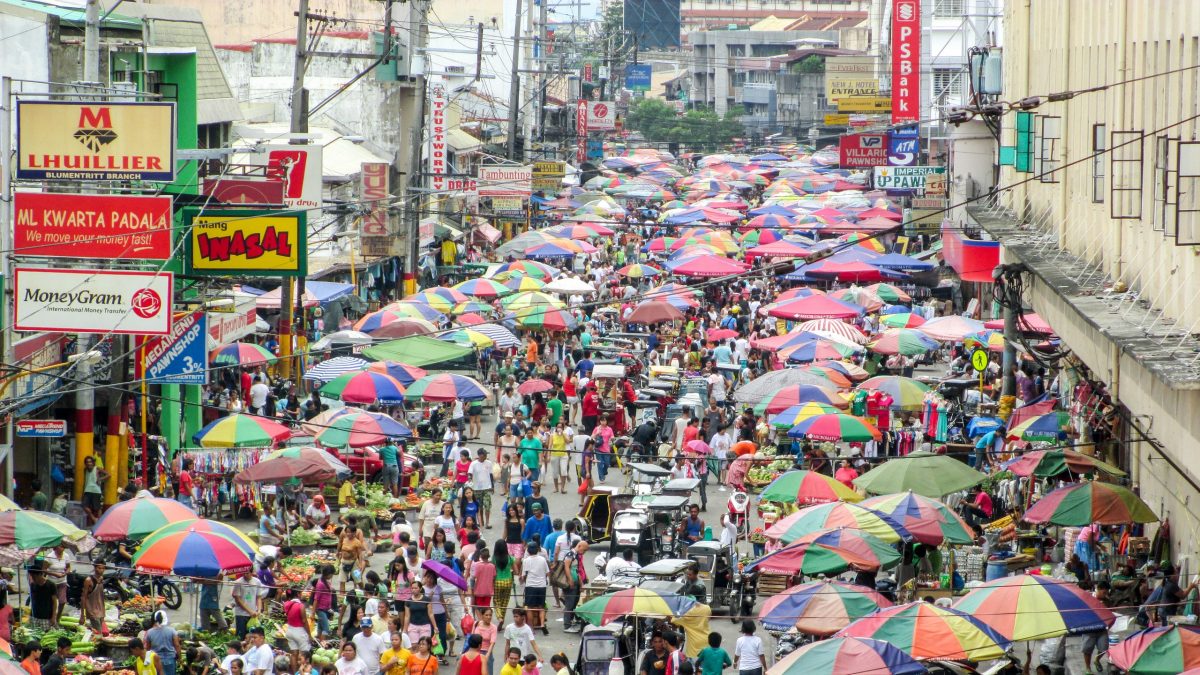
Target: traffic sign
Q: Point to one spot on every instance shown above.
(980, 360)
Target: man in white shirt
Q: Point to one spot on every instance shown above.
(535, 575)
(617, 565)
(258, 395)
(370, 646)
(480, 473)
(741, 348)
(260, 659)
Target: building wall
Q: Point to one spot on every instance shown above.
(245, 20)
(25, 54)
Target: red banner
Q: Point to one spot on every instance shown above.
(581, 128)
(906, 60)
(863, 150)
(116, 227)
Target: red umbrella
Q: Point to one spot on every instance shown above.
(533, 386)
(879, 213)
(654, 311)
(470, 319)
(852, 270)
(720, 334)
(815, 307)
(779, 249)
(709, 266)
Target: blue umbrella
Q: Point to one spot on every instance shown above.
(773, 210)
(549, 251)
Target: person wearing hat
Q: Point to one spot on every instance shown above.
(370, 645)
(536, 497)
(538, 524)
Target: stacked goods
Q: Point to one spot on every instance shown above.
(1005, 527)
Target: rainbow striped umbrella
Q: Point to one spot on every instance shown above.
(838, 514)
(816, 350)
(1091, 502)
(807, 487)
(836, 427)
(136, 518)
(573, 232)
(447, 387)
(529, 268)
(365, 387)
(991, 340)
(1162, 649)
(902, 320)
(543, 318)
(438, 302)
(414, 310)
(638, 602)
(639, 271)
(772, 220)
(192, 553)
(240, 354)
(194, 524)
(889, 292)
(820, 608)
(760, 237)
(1028, 607)
(521, 284)
(799, 394)
(482, 288)
(916, 512)
(796, 414)
(829, 552)
(29, 530)
(906, 341)
(241, 431)
(402, 372)
(466, 336)
(472, 307)
(1051, 426)
(531, 299)
(906, 393)
(927, 631)
(361, 428)
(848, 656)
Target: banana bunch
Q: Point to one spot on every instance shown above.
(997, 525)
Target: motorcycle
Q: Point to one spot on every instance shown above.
(738, 507)
(120, 589)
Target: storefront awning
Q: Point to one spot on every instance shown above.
(460, 141)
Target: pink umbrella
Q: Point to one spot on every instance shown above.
(779, 249)
(815, 307)
(951, 328)
(709, 266)
(698, 447)
(720, 334)
(880, 213)
(1028, 323)
(850, 270)
(533, 386)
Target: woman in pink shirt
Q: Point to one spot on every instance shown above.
(483, 583)
(485, 628)
(846, 474)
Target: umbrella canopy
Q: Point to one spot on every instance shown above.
(138, 517)
(922, 472)
(413, 310)
(709, 266)
(569, 286)
(1031, 322)
(401, 372)
(448, 387)
(815, 307)
(1026, 607)
(838, 514)
(807, 487)
(902, 320)
(639, 602)
(848, 656)
(445, 572)
(888, 292)
(639, 271)
(330, 369)
(836, 328)
(654, 311)
(387, 323)
(951, 328)
(543, 318)
(230, 532)
(28, 530)
(1091, 502)
(365, 387)
(528, 268)
(361, 428)
(829, 552)
(916, 513)
(468, 336)
(241, 431)
(991, 340)
(471, 307)
(309, 465)
(531, 299)
(482, 288)
(859, 296)
(534, 385)
(906, 393)
(240, 354)
(906, 341)
(814, 350)
(192, 553)
(820, 608)
(779, 249)
(718, 334)
(1047, 463)
(1051, 426)
(341, 337)
(763, 387)
(836, 427)
(793, 415)
(1161, 650)
(420, 351)
(927, 631)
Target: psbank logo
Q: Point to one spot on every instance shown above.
(907, 10)
(95, 128)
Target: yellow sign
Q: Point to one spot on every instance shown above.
(923, 221)
(60, 140)
(850, 76)
(549, 169)
(980, 360)
(840, 88)
(836, 120)
(865, 104)
(248, 242)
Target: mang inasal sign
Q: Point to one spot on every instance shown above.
(61, 140)
(246, 242)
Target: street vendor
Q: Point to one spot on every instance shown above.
(91, 600)
(692, 527)
(316, 515)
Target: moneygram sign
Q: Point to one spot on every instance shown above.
(59, 140)
(246, 242)
(92, 301)
(862, 150)
(115, 227)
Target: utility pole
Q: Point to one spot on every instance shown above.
(478, 50)
(91, 43)
(514, 91)
(413, 199)
(299, 125)
(543, 38)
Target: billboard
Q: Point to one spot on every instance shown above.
(505, 181)
(654, 24)
(41, 428)
(864, 104)
(116, 227)
(38, 352)
(246, 242)
(907, 178)
(601, 116)
(92, 301)
(179, 357)
(298, 168)
(439, 160)
(862, 150)
(906, 61)
(850, 76)
(637, 76)
(231, 326)
(547, 176)
(904, 147)
(60, 140)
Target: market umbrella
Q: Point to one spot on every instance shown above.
(521, 284)
(387, 323)
(991, 340)
(763, 387)
(719, 334)
(905, 341)
(531, 299)
(815, 307)
(309, 465)
(205, 525)
(341, 337)
(836, 427)
(241, 431)
(331, 368)
(401, 372)
(361, 428)
(888, 292)
(1164, 650)
(28, 530)
(192, 553)
(240, 354)
(528, 268)
(471, 307)
(836, 328)
(1090, 502)
(763, 236)
(543, 318)
(922, 472)
(906, 393)
(639, 271)
(1030, 322)
(654, 311)
(419, 350)
(916, 512)
(413, 310)
(807, 487)
(1051, 426)
(709, 266)
(365, 387)
(636, 602)
(483, 288)
(927, 631)
(569, 286)
(138, 517)
(847, 656)
(837, 514)
(779, 249)
(467, 336)
(793, 415)
(447, 387)
(440, 303)
(820, 608)
(850, 370)
(951, 328)
(902, 320)
(829, 552)
(534, 385)
(1028, 607)
(819, 349)
(445, 572)
(1048, 463)
(859, 296)
(771, 220)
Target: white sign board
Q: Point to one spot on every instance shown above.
(299, 167)
(437, 153)
(505, 181)
(226, 327)
(601, 116)
(905, 177)
(92, 301)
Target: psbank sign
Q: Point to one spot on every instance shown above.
(59, 140)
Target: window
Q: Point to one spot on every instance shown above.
(1046, 160)
(947, 85)
(948, 8)
(1024, 158)
(1099, 134)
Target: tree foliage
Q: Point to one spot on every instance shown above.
(658, 123)
(809, 64)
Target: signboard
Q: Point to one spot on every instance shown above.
(923, 221)
(299, 168)
(905, 177)
(231, 326)
(41, 428)
(246, 242)
(508, 206)
(547, 176)
(179, 357)
(437, 153)
(462, 184)
(376, 223)
(587, 72)
(601, 116)
(116, 227)
(37, 389)
(637, 76)
(980, 360)
(505, 181)
(864, 104)
(595, 150)
(850, 76)
(581, 132)
(61, 140)
(938, 203)
(903, 151)
(254, 190)
(92, 301)
(936, 185)
(906, 60)
(862, 150)
(836, 120)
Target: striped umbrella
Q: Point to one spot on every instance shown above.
(797, 394)
(339, 365)
(760, 237)
(636, 602)
(820, 608)
(847, 656)
(472, 307)
(1026, 607)
(906, 393)
(521, 284)
(639, 271)
(387, 323)
(415, 310)
(838, 514)
(798, 413)
(889, 292)
(991, 340)
(230, 532)
(138, 517)
(530, 299)
(192, 553)
(468, 336)
(951, 328)
(482, 288)
(361, 428)
(1090, 502)
(241, 431)
(502, 336)
(1164, 650)
(906, 341)
(401, 372)
(927, 631)
(902, 320)
(528, 268)
(815, 350)
(240, 354)
(923, 472)
(836, 427)
(807, 487)
(442, 302)
(28, 530)
(365, 387)
(771, 220)
(543, 318)
(447, 387)
(1048, 427)
(915, 512)
(829, 552)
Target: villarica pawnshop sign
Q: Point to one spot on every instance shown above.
(61, 140)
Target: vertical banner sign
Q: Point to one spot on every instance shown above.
(374, 191)
(906, 61)
(587, 72)
(438, 161)
(179, 357)
(581, 115)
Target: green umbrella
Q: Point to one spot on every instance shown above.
(418, 350)
(925, 473)
(28, 530)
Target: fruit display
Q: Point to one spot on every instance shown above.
(758, 536)
(138, 604)
(761, 476)
(324, 657)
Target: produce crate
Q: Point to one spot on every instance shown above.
(770, 584)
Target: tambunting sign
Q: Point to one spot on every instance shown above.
(92, 301)
(62, 140)
(247, 242)
(116, 227)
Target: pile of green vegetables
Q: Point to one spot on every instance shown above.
(324, 657)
